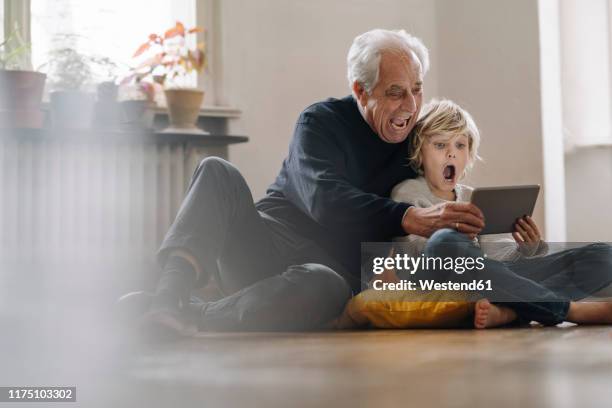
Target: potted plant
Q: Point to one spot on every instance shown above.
(137, 102)
(68, 72)
(107, 112)
(168, 59)
(21, 89)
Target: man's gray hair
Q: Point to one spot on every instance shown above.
(364, 55)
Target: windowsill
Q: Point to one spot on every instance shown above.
(110, 136)
(604, 144)
(209, 111)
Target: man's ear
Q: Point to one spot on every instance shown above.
(360, 93)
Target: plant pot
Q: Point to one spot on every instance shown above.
(137, 114)
(107, 92)
(20, 98)
(107, 111)
(183, 108)
(71, 109)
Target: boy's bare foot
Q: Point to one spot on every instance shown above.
(590, 312)
(487, 315)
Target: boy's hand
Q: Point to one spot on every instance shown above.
(526, 231)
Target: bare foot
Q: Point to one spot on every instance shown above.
(590, 312)
(487, 315)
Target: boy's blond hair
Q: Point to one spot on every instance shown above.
(444, 117)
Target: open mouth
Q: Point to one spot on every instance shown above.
(399, 123)
(449, 173)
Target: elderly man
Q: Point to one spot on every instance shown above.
(291, 260)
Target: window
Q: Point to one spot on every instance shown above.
(586, 79)
(110, 30)
(1, 20)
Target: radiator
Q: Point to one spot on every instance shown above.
(88, 200)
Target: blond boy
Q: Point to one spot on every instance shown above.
(444, 148)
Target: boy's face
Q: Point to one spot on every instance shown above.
(444, 160)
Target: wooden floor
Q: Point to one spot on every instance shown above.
(535, 367)
(53, 334)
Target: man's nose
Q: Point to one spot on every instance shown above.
(409, 103)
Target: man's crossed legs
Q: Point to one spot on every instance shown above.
(273, 279)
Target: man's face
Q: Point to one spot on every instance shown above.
(394, 104)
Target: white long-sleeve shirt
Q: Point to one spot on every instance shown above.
(501, 247)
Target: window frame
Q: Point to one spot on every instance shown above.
(18, 11)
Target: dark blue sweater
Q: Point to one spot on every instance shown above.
(335, 183)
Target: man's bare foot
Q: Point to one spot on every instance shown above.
(487, 315)
(590, 312)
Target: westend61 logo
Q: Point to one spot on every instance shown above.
(402, 264)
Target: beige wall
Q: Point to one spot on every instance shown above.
(280, 56)
(488, 57)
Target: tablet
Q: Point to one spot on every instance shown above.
(502, 206)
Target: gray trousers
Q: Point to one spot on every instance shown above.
(274, 279)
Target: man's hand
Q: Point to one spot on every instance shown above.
(463, 217)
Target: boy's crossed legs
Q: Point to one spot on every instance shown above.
(573, 273)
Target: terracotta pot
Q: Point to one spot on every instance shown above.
(20, 98)
(32, 118)
(184, 107)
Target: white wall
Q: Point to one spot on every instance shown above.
(280, 56)
(552, 120)
(588, 174)
(488, 56)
